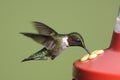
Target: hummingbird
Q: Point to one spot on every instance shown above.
(53, 42)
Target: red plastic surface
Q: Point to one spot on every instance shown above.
(104, 67)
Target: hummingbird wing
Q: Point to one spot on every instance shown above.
(44, 29)
(45, 40)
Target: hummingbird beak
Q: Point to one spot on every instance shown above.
(87, 50)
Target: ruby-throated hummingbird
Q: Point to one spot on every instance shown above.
(53, 42)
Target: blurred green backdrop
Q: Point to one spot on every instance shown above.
(94, 19)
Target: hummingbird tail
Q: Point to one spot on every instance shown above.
(27, 59)
(40, 55)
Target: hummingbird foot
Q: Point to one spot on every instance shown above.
(53, 57)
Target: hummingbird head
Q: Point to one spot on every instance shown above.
(75, 39)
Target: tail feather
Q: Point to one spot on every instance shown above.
(40, 55)
(27, 59)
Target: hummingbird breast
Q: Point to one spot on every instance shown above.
(60, 46)
(65, 43)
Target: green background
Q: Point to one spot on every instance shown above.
(94, 19)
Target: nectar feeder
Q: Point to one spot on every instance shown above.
(105, 66)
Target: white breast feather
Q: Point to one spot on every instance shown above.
(65, 43)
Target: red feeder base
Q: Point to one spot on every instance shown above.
(104, 67)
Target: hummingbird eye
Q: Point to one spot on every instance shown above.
(78, 40)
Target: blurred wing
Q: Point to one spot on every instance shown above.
(46, 41)
(44, 29)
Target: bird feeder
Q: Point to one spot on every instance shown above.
(105, 66)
